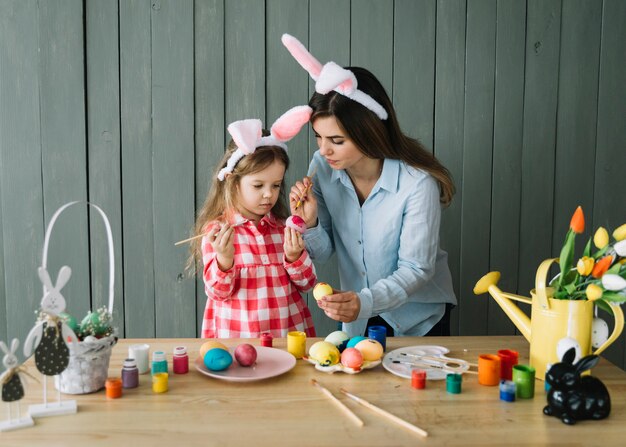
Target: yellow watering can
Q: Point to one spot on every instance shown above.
(555, 325)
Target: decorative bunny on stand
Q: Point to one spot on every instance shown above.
(572, 397)
(49, 337)
(12, 387)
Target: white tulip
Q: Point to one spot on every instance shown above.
(613, 282)
(620, 247)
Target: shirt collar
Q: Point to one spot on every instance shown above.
(388, 180)
(269, 219)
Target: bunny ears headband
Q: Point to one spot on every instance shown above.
(247, 134)
(331, 76)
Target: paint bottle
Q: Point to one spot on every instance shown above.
(160, 382)
(507, 390)
(181, 360)
(418, 379)
(113, 387)
(130, 374)
(266, 339)
(453, 383)
(159, 362)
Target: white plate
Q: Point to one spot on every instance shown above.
(404, 370)
(270, 362)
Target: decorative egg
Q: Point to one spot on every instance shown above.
(372, 350)
(352, 358)
(565, 344)
(90, 339)
(324, 353)
(217, 359)
(69, 320)
(206, 346)
(297, 223)
(599, 332)
(245, 354)
(339, 339)
(322, 289)
(354, 341)
(92, 324)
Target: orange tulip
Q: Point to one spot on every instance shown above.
(602, 266)
(577, 224)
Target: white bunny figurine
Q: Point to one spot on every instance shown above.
(50, 335)
(12, 387)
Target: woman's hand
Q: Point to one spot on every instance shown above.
(293, 245)
(341, 306)
(302, 201)
(223, 243)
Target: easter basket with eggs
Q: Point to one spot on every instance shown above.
(89, 357)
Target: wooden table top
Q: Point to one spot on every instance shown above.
(288, 411)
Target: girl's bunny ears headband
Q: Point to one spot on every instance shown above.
(331, 76)
(247, 134)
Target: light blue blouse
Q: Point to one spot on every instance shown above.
(388, 248)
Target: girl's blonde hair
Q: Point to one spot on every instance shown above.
(220, 203)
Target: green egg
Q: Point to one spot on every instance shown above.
(69, 320)
(92, 324)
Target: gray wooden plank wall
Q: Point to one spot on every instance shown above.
(124, 103)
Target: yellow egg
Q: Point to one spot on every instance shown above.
(322, 289)
(372, 350)
(206, 346)
(324, 353)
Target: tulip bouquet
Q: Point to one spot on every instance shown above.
(599, 275)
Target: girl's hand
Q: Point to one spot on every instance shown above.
(223, 243)
(307, 209)
(341, 306)
(293, 245)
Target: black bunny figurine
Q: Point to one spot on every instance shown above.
(572, 397)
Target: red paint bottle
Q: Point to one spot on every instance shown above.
(181, 360)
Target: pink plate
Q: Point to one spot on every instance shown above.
(270, 362)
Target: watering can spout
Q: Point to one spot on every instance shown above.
(488, 283)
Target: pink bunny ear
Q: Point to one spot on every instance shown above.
(245, 134)
(302, 55)
(289, 123)
(334, 77)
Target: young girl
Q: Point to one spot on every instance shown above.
(254, 266)
(376, 203)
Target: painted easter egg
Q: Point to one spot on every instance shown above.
(208, 345)
(354, 341)
(324, 353)
(352, 358)
(565, 344)
(217, 359)
(69, 320)
(599, 332)
(93, 324)
(245, 354)
(338, 338)
(322, 289)
(372, 350)
(297, 223)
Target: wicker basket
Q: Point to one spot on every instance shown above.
(88, 367)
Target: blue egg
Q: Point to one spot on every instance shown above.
(354, 340)
(217, 359)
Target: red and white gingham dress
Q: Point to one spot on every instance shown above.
(261, 292)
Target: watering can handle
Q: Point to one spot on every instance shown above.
(618, 326)
(540, 282)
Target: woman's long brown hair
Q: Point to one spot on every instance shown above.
(376, 138)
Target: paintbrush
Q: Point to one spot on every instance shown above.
(340, 404)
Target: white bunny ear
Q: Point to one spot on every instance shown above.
(45, 278)
(4, 347)
(302, 55)
(14, 345)
(289, 123)
(245, 134)
(63, 277)
(334, 77)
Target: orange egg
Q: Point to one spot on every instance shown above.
(206, 346)
(372, 350)
(352, 358)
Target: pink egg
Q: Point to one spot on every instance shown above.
(297, 223)
(352, 358)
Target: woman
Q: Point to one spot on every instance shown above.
(376, 203)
